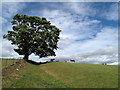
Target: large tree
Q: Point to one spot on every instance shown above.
(33, 34)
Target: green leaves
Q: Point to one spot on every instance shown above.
(33, 34)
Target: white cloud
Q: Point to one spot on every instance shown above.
(107, 37)
(115, 63)
(34, 57)
(73, 28)
(80, 8)
(3, 20)
(102, 48)
(107, 55)
(9, 9)
(7, 50)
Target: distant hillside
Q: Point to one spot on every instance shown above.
(63, 75)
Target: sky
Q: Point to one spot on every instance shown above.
(89, 29)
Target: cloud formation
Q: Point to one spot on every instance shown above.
(8, 50)
(107, 55)
(8, 11)
(84, 35)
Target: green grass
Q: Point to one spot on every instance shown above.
(65, 75)
(84, 75)
(7, 62)
(32, 76)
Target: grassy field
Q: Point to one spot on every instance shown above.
(7, 62)
(63, 75)
(32, 76)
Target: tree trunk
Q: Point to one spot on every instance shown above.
(26, 57)
(26, 54)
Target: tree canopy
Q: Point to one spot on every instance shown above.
(33, 34)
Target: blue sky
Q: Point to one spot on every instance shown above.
(87, 28)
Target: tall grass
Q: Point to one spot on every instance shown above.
(7, 62)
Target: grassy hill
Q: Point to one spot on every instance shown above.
(7, 62)
(62, 75)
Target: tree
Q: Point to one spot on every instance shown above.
(33, 34)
